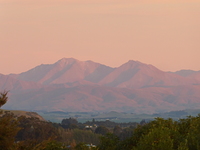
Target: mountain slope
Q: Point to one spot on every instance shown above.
(11, 84)
(87, 98)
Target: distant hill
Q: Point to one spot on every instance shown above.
(186, 73)
(27, 114)
(190, 74)
(71, 85)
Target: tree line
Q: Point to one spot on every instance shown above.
(22, 133)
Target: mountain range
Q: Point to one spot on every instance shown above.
(71, 85)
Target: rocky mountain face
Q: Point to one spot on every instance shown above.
(71, 85)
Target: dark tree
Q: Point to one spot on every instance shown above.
(8, 126)
(69, 123)
(109, 142)
(117, 131)
(3, 98)
(102, 130)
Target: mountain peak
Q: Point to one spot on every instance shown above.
(133, 62)
(66, 61)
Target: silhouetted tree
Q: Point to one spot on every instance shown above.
(8, 126)
(69, 123)
(108, 142)
(102, 130)
(3, 98)
(117, 131)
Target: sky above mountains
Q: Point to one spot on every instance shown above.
(165, 34)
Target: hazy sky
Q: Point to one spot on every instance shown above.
(164, 33)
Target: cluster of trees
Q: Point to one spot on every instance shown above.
(21, 133)
(110, 124)
(160, 134)
(123, 130)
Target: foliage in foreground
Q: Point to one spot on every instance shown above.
(159, 134)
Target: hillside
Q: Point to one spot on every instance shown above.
(27, 114)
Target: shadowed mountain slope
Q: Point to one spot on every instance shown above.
(87, 98)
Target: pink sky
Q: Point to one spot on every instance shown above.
(165, 34)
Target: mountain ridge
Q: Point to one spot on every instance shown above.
(132, 74)
(73, 85)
